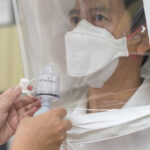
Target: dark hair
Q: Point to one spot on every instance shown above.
(129, 2)
(137, 20)
(138, 17)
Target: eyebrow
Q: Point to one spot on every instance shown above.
(100, 9)
(95, 9)
(73, 12)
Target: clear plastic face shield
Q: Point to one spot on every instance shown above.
(99, 50)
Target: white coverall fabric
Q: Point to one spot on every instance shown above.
(110, 130)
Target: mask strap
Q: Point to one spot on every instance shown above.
(135, 58)
(141, 29)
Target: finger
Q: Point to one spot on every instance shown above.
(60, 112)
(29, 113)
(24, 101)
(63, 135)
(9, 97)
(13, 118)
(29, 107)
(67, 124)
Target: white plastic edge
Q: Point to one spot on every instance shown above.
(22, 47)
(147, 14)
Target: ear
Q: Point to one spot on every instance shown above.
(144, 44)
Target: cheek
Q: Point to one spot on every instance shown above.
(113, 28)
(120, 25)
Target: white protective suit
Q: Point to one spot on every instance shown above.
(87, 42)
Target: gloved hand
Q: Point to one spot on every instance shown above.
(13, 109)
(44, 132)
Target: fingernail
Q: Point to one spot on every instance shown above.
(17, 89)
(37, 99)
(38, 103)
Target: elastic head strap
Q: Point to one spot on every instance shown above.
(141, 29)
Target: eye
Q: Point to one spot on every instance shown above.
(75, 20)
(98, 18)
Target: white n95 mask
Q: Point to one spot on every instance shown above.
(92, 52)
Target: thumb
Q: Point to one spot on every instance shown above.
(8, 98)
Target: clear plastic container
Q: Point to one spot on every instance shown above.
(47, 88)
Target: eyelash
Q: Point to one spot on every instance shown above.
(96, 18)
(75, 20)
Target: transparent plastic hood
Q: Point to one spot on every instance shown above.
(100, 51)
